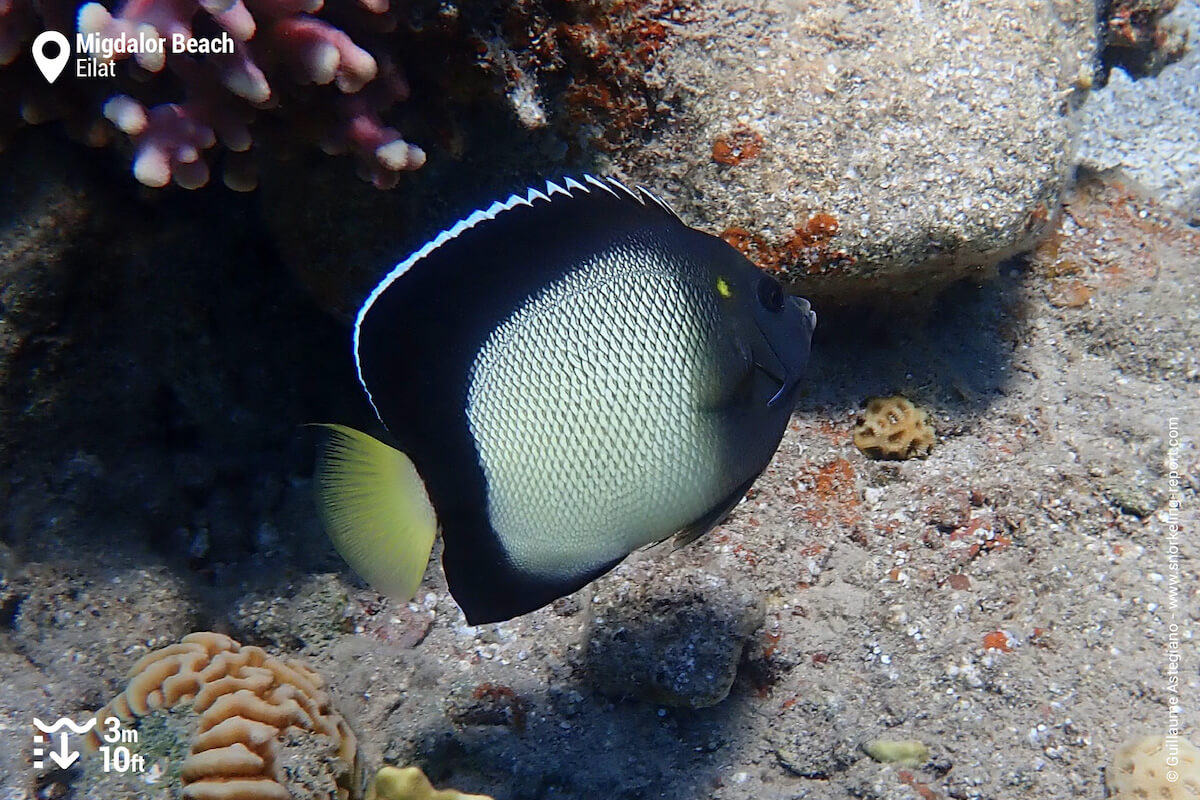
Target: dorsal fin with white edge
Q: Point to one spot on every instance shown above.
(589, 189)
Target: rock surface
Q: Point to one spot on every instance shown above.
(673, 639)
(935, 135)
(1150, 128)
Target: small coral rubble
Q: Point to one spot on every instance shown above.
(487, 704)
(893, 428)
(247, 700)
(1153, 766)
(409, 783)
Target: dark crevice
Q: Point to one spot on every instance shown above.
(1133, 37)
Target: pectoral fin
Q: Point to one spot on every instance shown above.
(375, 509)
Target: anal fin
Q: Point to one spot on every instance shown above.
(375, 508)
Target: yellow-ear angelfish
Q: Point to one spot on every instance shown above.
(570, 375)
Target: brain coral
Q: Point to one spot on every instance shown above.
(249, 703)
(1153, 768)
(893, 428)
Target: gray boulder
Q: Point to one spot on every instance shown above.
(891, 145)
(672, 638)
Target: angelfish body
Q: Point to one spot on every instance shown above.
(571, 374)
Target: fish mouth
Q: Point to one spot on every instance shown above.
(806, 309)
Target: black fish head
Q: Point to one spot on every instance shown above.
(775, 327)
(786, 324)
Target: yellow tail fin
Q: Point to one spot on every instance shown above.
(375, 510)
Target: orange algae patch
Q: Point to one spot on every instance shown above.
(1070, 294)
(753, 247)
(742, 144)
(819, 229)
(837, 434)
(827, 494)
(833, 478)
(959, 582)
(983, 534)
(505, 700)
(604, 53)
(908, 779)
(746, 554)
(997, 640)
(808, 251)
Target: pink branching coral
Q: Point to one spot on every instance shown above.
(289, 70)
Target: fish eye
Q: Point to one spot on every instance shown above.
(770, 294)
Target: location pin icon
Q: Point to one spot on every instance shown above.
(51, 66)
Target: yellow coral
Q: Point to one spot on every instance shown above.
(246, 700)
(1155, 767)
(893, 428)
(908, 752)
(409, 783)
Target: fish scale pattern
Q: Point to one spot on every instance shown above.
(587, 410)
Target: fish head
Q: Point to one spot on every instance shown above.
(785, 325)
(773, 328)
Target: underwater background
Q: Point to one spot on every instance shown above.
(969, 571)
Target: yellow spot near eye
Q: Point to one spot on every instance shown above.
(723, 288)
